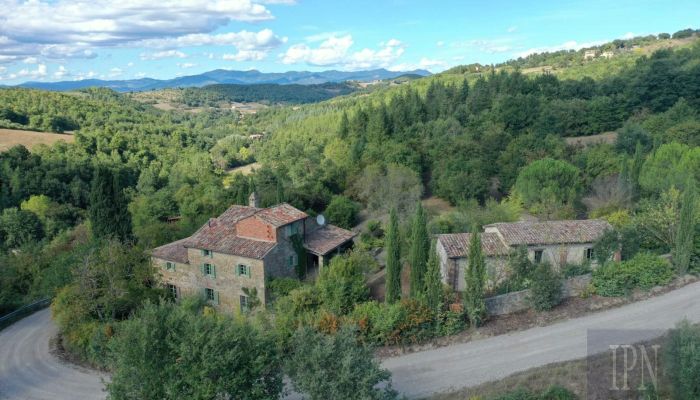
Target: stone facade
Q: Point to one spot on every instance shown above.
(235, 253)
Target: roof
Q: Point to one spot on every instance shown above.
(551, 232)
(175, 251)
(281, 214)
(324, 239)
(456, 245)
(220, 236)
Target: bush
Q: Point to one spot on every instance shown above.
(546, 287)
(571, 270)
(342, 212)
(553, 393)
(643, 271)
(683, 361)
(280, 287)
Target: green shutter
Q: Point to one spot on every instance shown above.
(247, 271)
(238, 270)
(213, 271)
(203, 269)
(216, 297)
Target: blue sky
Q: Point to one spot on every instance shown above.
(52, 40)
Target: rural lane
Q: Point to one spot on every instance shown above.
(29, 372)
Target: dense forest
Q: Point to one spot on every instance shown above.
(212, 95)
(77, 218)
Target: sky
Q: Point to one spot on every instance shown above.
(53, 40)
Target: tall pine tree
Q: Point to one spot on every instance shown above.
(393, 260)
(418, 254)
(685, 236)
(475, 279)
(432, 282)
(108, 206)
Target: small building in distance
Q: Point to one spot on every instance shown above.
(607, 54)
(589, 54)
(556, 242)
(231, 256)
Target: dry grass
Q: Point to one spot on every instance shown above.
(29, 139)
(437, 206)
(584, 141)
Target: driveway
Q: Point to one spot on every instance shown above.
(469, 364)
(29, 372)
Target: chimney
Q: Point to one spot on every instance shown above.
(253, 200)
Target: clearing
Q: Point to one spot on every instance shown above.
(591, 140)
(29, 139)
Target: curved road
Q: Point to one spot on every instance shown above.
(29, 372)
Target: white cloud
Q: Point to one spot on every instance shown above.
(186, 65)
(512, 29)
(30, 60)
(264, 39)
(245, 55)
(159, 55)
(61, 72)
(440, 43)
(140, 74)
(336, 51)
(568, 45)
(72, 28)
(130, 64)
(431, 65)
(496, 45)
(38, 73)
(628, 35)
(115, 72)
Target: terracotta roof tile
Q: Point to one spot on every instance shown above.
(551, 232)
(324, 239)
(220, 236)
(456, 245)
(281, 214)
(175, 251)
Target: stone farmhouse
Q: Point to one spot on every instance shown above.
(556, 242)
(230, 256)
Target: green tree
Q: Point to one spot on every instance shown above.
(108, 211)
(18, 227)
(393, 259)
(685, 236)
(341, 284)
(475, 280)
(669, 166)
(342, 212)
(335, 367)
(418, 252)
(169, 352)
(548, 184)
(682, 361)
(433, 281)
(546, 287)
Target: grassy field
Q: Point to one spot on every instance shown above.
(29, 139)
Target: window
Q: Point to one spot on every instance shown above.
(291, 229)
(170, 266)
(207, 253)
(244, 303)
(211, 295)
(242, 270)
(292, 260)
(589, 253)
(172, 290)
(209, 270)
(538, 256)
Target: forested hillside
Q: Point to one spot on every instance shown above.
(77, 219)
(266, 93)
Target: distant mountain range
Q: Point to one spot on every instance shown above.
(220, 76)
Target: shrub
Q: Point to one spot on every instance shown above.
(571, 270)
(545, 290)
(643, 271)
(553, 393)
(683, 361)
(282, 286)
(342, 212)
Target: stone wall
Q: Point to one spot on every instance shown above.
(518, 301)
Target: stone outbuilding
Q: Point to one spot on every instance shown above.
(556, 242)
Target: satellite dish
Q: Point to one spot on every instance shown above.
(320, 220)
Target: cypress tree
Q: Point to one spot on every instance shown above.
(432, 282)
(344, 129)
(108, 206)
(685, 235)
(474, 278)
(393, 260)
(418, 255)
